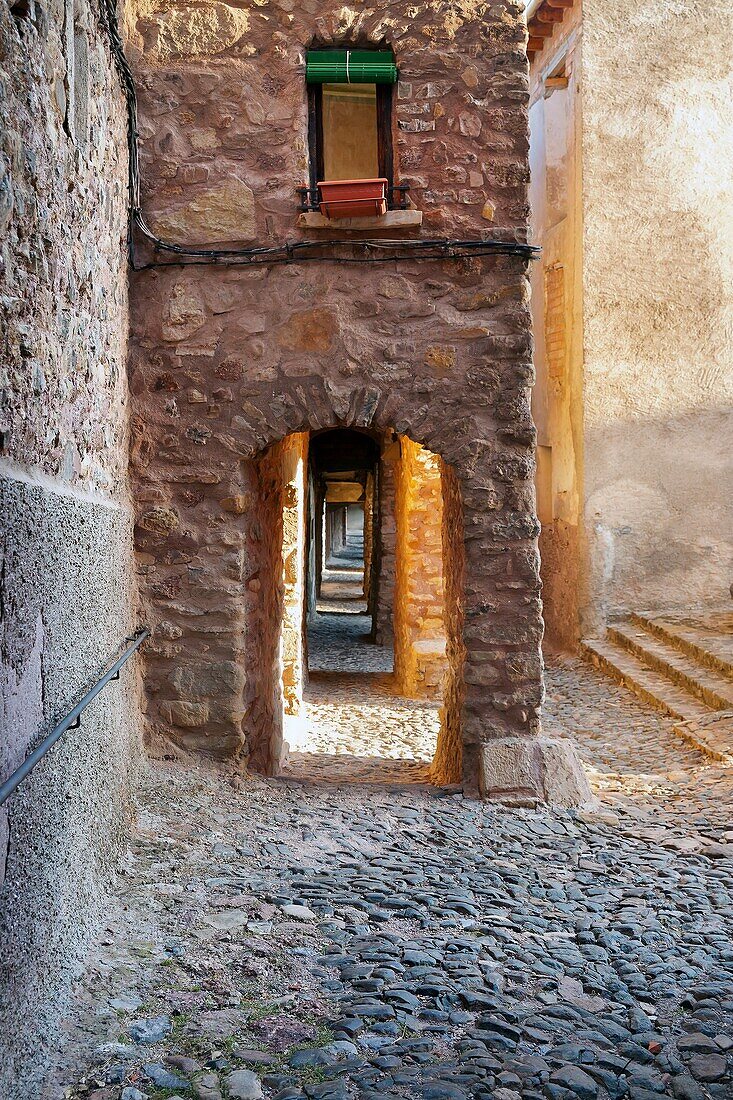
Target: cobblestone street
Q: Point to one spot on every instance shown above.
(358, 731)
(311, 937)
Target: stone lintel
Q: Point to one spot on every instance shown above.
(344, 492)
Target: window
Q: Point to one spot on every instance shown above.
(349, 127)
(350, 109)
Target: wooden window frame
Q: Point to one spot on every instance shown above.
(385, 139)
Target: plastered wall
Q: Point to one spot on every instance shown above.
(658, 304)
(632, 306)
(65, 547)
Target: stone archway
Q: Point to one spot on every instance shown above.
(424, 564)
(210, 674)
(348, 348)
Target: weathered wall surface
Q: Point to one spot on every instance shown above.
(419, 629)
(658, 303)
(293, 506)
(67, 605)
(273, 636)
(387, 539)
(366, 522)
(632, 305)
(446, 766)
(227, 361)
(557, 398)
(66, 544)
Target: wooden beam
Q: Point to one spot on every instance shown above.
(558, 4)
(535, 45)
(550, 15)
(553, 82)
(543, 30)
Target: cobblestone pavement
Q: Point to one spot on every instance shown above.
(358, 730)
(297, 939)
(339, 642)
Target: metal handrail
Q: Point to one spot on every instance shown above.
(73, 718)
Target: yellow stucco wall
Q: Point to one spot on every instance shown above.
(642, 431)
(419, 629)
(557, 400)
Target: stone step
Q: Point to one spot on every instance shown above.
(706, 684)
(647, 683)
(709, 730)
(709, 646)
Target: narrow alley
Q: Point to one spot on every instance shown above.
(359, 728)
(366, 636)
(296, 938)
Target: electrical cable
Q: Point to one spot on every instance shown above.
(440, 248)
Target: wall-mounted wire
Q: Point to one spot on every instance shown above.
(300, 251)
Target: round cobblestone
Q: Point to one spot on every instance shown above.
(458, 950)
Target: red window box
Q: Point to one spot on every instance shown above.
(353, 198)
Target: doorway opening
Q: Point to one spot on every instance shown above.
(368, 587)
(343, 536)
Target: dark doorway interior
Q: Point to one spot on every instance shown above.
(343, 554)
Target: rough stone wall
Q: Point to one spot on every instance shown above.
(419, 630)
(640, 422)
(447, 764)
(228, 360)
(294, 460)
(274, 644)
(66, 546)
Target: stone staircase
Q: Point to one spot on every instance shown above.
(683, 665)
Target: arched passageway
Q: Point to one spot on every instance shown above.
(366, 643)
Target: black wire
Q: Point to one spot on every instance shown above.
(440, 248)
(243, 261)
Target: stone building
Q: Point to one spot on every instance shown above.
(67, 594)
(286, 325)
(630, 154)
(282, 363)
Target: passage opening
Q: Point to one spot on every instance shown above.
(371, 635)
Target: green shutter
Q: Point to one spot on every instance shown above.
(350, 67)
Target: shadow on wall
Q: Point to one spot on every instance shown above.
(657, 526)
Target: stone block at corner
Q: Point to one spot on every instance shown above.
(533, 770)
